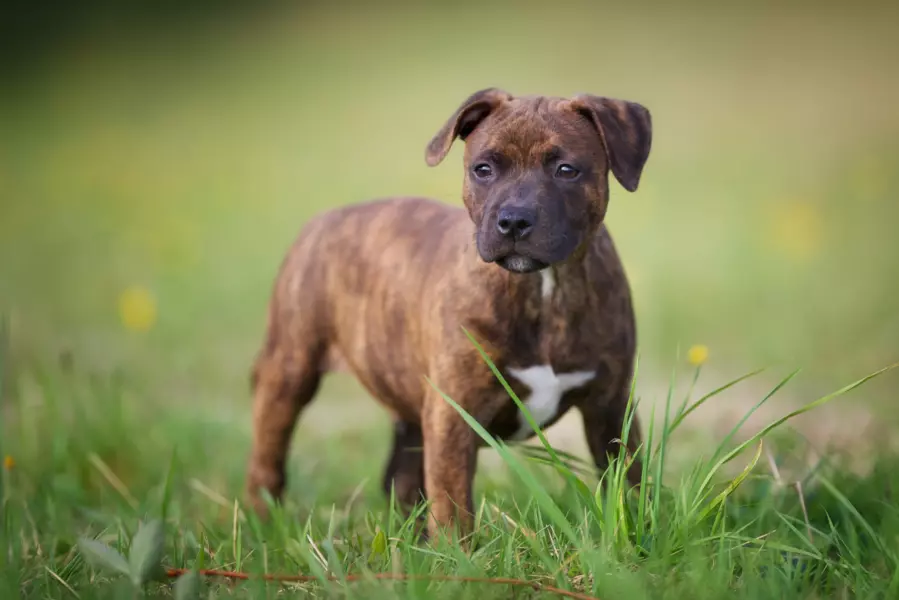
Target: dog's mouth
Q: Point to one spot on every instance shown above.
(517, 263)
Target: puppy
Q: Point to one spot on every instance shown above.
(385, 289)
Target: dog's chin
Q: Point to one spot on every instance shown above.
(517, 263)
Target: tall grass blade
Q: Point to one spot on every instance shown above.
(686, 413)
(804, 409)
(704, 488)
(167, 488)
(781, 384)
(731, 486)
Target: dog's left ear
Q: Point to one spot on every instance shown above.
(625, 129)
(473, 110)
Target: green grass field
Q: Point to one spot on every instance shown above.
(151, 179)
(92, 465)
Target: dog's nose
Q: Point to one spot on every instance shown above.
(516, 222)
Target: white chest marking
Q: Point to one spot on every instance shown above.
(547, 389)
(548, 282)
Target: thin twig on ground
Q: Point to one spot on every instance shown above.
(172, 573)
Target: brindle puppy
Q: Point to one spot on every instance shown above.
(385, 289)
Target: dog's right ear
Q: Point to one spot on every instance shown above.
(475, 108)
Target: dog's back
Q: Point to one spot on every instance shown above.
(357, 278)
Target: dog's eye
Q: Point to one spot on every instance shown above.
(483, 171)
(567, 172)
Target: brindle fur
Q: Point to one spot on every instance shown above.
(385, 289)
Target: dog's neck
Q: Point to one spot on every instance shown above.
(548, 305)
(541, 312)
(558, 291)
(564, 282)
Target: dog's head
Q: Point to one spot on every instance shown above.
(536, 170)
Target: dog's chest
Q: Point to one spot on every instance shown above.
(551, 353)
(544, 390)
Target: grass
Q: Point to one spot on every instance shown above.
(94, 501)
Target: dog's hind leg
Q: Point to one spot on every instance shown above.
(404, 472)
(285, 379)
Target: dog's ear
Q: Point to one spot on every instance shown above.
(475, 108)
(625, 129)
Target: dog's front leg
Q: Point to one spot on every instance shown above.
(604, 422)
(450, 454)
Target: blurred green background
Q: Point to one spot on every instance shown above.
(155, 166)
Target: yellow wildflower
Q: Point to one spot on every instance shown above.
(798, 229)
(8, 462)
(697, 354)
(137, 309)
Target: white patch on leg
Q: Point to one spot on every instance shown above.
(547, 390)
(548, 283)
